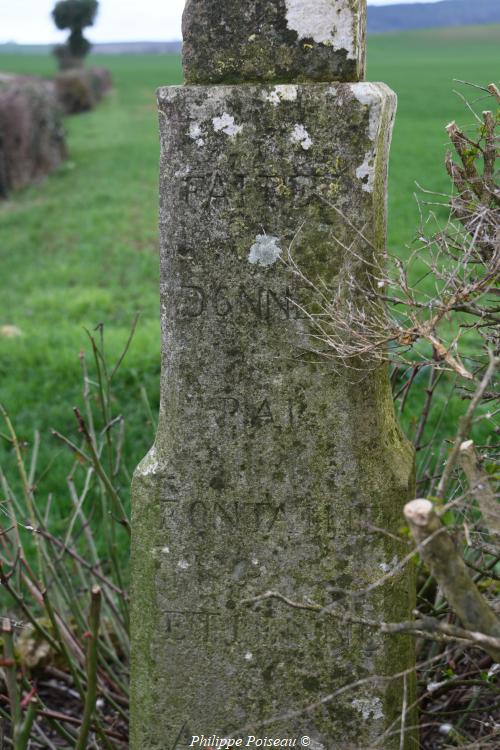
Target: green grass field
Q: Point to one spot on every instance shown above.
(81, 248)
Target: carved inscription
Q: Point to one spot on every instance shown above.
(262, 304)
(260, 516)
(295, 518)
(263, 412)
(211, 190)
(253, 627)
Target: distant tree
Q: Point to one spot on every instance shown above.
(74, 15)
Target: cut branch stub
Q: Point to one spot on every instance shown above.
(448, 568)
(480, 487)
(276, 41)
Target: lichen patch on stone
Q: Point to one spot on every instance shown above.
(149, 465)
(265, 251)
(282, 93)
(369, 95)
(226, 124)
(366, 173)
(196, 133)
(369, 708)
(324, 22)
(387, 567)
(301, 136)
(183, 172)
(315, 745)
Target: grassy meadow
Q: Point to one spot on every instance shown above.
(81, 248)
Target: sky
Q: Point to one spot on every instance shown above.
(29, 21)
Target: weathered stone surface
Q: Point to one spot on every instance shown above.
(270, 465)
(278, 41)
(31, 133)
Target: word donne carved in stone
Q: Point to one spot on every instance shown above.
(262, 304)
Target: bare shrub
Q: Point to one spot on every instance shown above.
(79, 89)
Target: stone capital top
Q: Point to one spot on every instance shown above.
(276, 41)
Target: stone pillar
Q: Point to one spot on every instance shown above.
(272, 465)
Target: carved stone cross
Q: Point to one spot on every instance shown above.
(274, 462)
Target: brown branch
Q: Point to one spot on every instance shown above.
(480, 486)
(464, 426)
(426, 627)
(448, 568)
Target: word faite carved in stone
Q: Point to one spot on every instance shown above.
(277, 41)
(273, 466)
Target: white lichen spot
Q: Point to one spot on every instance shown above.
(332, 91)
(386, 567)
(315, 745)
(149, 464)
(325, 21)
(196, 133)
(255, 561)
(369, 708)
(369, 95)
(366, 173)
(183, 172)
(226, 124)
(152, 468)
(166, 550)
(265, 251)
(183, 564)
(301, 136)
(282, 93)
(248, 656)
